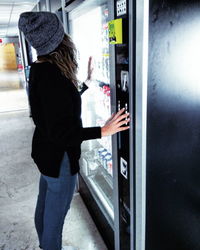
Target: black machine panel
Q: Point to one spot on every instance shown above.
(122, 101)
(173, 126)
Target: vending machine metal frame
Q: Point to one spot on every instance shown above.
(133, 116)
(141, 73)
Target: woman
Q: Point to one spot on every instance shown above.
(56, 111)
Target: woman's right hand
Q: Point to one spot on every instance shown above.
(113, 125)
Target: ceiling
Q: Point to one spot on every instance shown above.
(9, 15)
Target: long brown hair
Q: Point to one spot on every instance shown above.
(64, 56)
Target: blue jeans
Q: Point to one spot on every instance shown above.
(55, 195)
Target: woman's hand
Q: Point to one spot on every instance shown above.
(114, 123)
(90, 69)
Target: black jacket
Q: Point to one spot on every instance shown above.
(56, 111)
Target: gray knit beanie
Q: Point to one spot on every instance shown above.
(42, 30)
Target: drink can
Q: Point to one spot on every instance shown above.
(102, 153)
(101, 150)
(106, 158)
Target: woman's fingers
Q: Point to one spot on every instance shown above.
(123, 128)
(115, 123)
(121, 111)
(114, 117)
(123, 122)
(121, 117)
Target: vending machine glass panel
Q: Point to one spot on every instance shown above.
(89, 30)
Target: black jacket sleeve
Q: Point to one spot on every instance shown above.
(83, 89)
(61, 107)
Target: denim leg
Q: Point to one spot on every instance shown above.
(40, 206)
(58, 198)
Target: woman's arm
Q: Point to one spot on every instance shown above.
(63, 127)
(90, 70)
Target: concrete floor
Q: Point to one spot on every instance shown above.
(13, 100)
(18, 191)
(10, 79)
(12, 95)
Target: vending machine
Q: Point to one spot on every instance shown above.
(102, 30)
(173, 145)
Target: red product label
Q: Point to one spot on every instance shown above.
(105, 89)
(108, 93)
